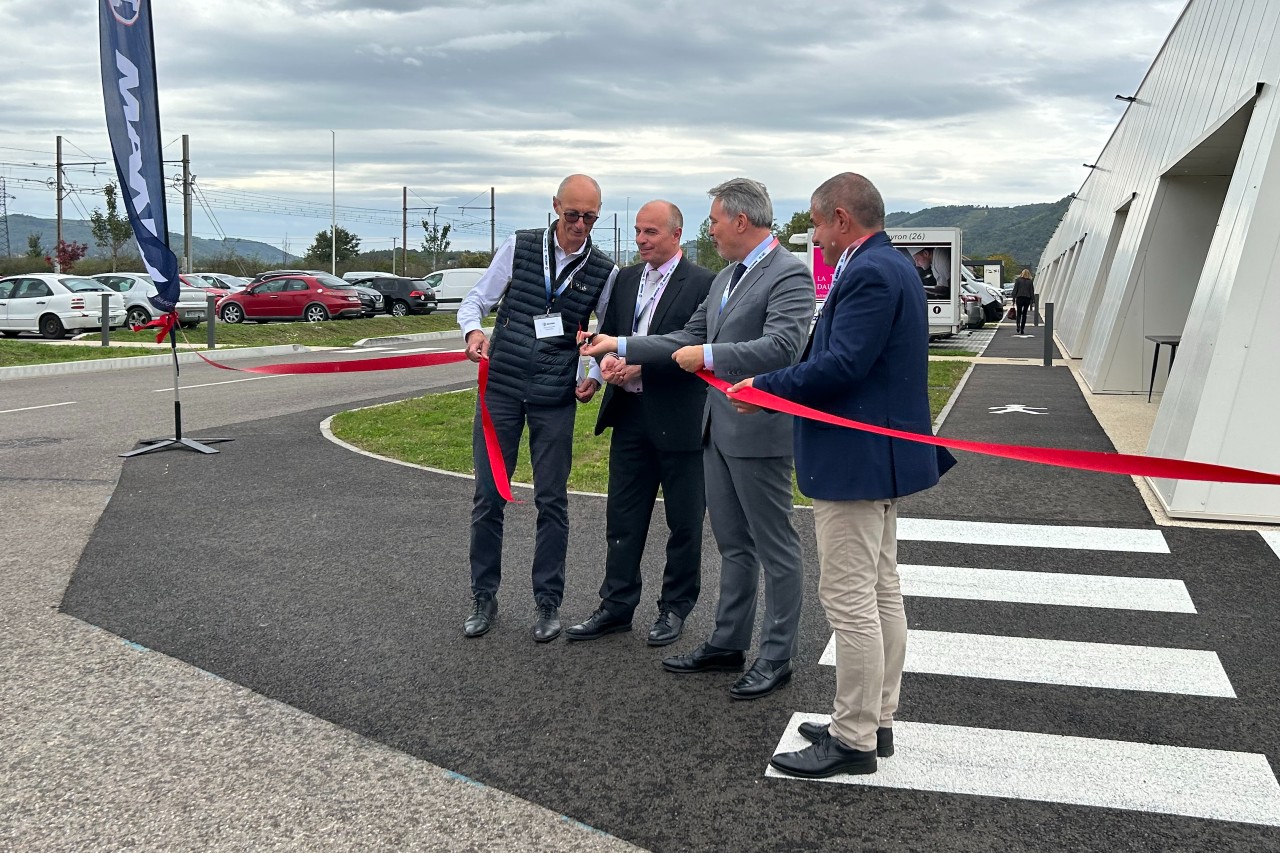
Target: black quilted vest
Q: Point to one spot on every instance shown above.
(542, 372)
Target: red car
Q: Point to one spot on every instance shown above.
(293, 297)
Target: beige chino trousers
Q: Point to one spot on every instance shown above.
(862, 597)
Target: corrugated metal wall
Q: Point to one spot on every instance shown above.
(1176, 231)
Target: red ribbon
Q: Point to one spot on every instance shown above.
(165, 323)
(497, 465)
(1084, 460)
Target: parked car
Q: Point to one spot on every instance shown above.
(971, 307)
(992, 298)
(304, 296)
(54, 304)
(451, 285)
(371, 301)
(355, 277)
(404, 295)
(137, 288)
(223, 281)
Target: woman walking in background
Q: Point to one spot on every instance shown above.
(1023, 291)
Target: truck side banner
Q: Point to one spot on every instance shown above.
(133, 123)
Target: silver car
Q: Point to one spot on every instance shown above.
(137, 288)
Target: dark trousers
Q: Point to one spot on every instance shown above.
(551, 452)
(1021, 304)
(636, 469)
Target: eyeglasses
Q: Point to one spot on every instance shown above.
(572, 216)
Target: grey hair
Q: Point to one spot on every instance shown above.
(743, 195)
(855, 194)
(564, 185)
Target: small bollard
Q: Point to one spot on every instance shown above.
(1048, 334)
(106, 319)
(210, 317)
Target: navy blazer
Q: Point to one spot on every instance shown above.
(868, 360)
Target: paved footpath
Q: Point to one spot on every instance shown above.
(1077, 678)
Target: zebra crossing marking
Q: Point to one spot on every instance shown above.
(1026, 587)
(1127, 540)
(1176, 780)
(1109, 666)
(1272, 538)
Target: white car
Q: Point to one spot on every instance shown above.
(53, 305)
(992, 298)
(355, 277)
(137, 288)
(451, 285)
(222, 281)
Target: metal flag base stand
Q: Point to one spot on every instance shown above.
(177, 442)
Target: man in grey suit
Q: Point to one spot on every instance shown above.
(755, 318)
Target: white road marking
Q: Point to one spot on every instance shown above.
(1025, 587)
(33, 408)
(1033, 535)
(367, 349)
(1200, 783)
(1108, 666)
(226, 382)
(421, 349)
(1272, 538)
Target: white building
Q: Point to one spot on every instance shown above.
(1176, 232)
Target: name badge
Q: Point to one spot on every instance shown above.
(548, 326)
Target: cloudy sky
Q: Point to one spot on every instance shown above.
(995, 102)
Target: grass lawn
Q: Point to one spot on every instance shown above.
(14, 353)
(330, 333)
(435, 431)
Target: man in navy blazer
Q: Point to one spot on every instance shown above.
(867, 361)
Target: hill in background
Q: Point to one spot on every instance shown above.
(1022, 231)
(78, 231)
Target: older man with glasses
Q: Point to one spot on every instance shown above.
(546, 283)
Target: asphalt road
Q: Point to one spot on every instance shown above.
(104, 745)
(1078, 678)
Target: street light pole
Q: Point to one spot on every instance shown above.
(333, 226)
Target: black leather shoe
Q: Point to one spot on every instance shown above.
(666, 629)
(826, 758)
(762, 679)
(484, 612)
(598, 625)
(814, 732)
(547, 626)
(703, 660)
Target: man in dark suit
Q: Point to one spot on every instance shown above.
(753, 320)
(867, 361)
(655, 411)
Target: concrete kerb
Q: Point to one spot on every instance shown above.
(26, 371)
(419, 336)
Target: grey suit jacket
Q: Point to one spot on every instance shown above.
(762, 327)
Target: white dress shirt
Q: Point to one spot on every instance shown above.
(477, 304)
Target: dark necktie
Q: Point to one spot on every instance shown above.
(738, 272)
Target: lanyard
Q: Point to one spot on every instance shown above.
(643, 302)
(568, 273)
(725, 296)
(846, 257)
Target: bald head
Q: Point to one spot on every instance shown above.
(578, 199)
(659, 225)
